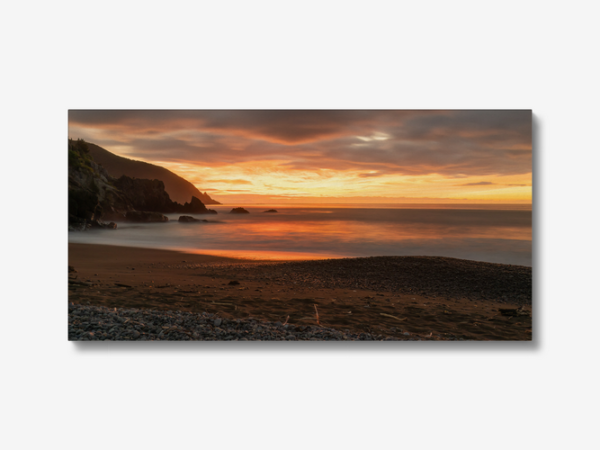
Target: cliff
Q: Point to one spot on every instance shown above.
(95, 196)
(179, 189)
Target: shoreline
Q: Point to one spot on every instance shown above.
(443, 298)
(222, 255)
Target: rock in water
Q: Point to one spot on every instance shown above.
(98, 224)
(195, 207)
(145, 216)
(239, 211)
(271, 211)
(187, 219)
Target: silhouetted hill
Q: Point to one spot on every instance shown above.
(95, 196)
(179, 189)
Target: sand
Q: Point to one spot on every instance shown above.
(429, 298)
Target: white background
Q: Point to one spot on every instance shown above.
(312, 54)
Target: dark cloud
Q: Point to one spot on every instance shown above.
(481, 183)
(281, 126)
(449, 143)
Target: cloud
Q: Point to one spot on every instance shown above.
(230, 181)
(370, 174)
(279, 126)
(448, 143)
(480, 183)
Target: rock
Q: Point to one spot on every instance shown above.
(72, 269)
(97, 224)
(94, 195)
(195, 207)
(79, 226)
(234, 283)
(217, 322)
(145, 216)
(145, 195)
(239, 211)
(110, 213)
(271, 211)
(187, 219)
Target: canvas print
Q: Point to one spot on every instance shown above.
(300, 225)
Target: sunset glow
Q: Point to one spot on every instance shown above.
(328, 156)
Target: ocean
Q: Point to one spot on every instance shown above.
(490, 233)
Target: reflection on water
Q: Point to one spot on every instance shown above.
(502, 236)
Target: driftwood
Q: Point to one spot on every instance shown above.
(394, 317)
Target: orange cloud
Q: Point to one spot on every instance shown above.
(229, 181)
(388, 154)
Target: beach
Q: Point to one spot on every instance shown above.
(375, 298)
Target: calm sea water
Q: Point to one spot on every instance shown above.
(501, 235)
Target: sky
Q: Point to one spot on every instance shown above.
(327, 156)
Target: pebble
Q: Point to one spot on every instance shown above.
(424, 275)
(100, 323)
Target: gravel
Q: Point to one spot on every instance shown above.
(98, 323)
(421, 275)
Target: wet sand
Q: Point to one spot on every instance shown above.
(400, 297)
